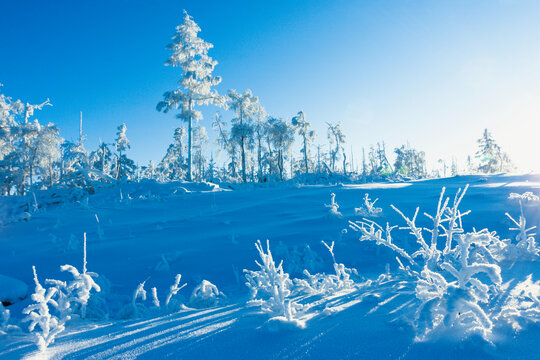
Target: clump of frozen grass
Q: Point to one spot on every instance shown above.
(271, 287)
(368, 209)
(522, 305)
(38, 314)
(139, 308)
(206, 295)
(5, 327)
(333, 207)
(452, 285)
(328, 283)
(525, 245)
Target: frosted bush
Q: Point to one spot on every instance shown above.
(333, 207)
(328, 283)
(62, 299)
(206, 295)
(522, 305)
(78, 290)
(297, 258)
(136, 309)
(525, 245)
(170, 301)
(271, 286)
(454, 284)
(368, 209)
(38, 314)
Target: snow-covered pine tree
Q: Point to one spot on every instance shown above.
(190, 54)
(492, 158)
(101, 158)
(409, 161)
(149, 171)
(245, 106)
(303, 128)
(172, 166)
(124, 167)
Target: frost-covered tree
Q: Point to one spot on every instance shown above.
(101, 158)
(149, 171)
(303, 128)
(21, 152)
(39, 314)
(280, 135)
(336, 138)
(48, 153)
(409, 161)
(378, 162)
(492, 158)
(225, 141)
(172, 166)
(245, 107)
(124, 167)
(200, 141)
(260, 134)
(190, 54)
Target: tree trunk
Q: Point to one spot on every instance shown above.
(259, 158)
(243, 153)
(189, 175)
(305, 154)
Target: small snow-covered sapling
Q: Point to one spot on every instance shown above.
(333, 206)
(206, 294)
(38, 314)
(81, 286)
(525, 239)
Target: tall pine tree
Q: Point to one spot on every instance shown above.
(190, 54)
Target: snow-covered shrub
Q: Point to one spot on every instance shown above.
(77, 291)
(452, 284)
(298, 258)
(333, 207)
(525, 245)
(38, 314)
(171, 302)
(328, 283)
(206, 295)
(136, 309)
(62, 299)
(368, 209)
(271, 286)
(522, 304)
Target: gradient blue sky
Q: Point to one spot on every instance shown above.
(434, 73)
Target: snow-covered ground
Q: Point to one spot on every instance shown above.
(150, 232)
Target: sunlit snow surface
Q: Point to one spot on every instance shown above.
(157, 231)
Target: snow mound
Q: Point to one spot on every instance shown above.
(12, 290)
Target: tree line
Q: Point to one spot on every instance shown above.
(257, 146)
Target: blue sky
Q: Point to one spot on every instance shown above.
(434, 73)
